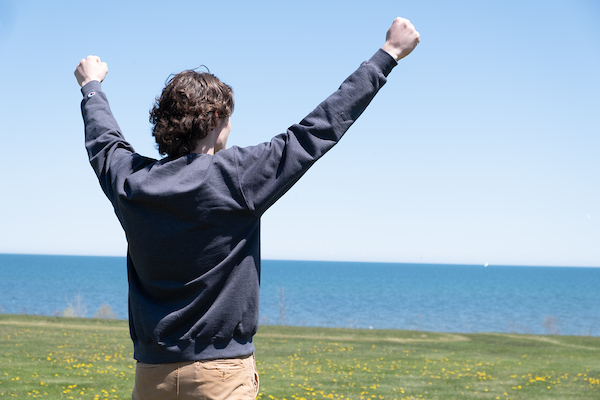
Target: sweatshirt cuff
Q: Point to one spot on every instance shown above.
(90, 87)
(384, 61)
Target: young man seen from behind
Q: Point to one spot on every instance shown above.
(192, 218)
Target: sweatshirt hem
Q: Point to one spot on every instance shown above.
(193, 351)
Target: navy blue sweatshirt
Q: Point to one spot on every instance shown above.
(193, 223)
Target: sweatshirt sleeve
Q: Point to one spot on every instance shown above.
(269, 170)
(104, 141)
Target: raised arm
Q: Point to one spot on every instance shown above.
(106, 146)
(267, 171)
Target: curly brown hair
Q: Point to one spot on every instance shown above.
(187, 110)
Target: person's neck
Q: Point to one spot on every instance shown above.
(215, 140)
(204, 148)
(206, 145)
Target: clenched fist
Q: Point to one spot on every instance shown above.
(401, 38)
(90, 69)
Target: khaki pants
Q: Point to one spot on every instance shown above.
(231, 378)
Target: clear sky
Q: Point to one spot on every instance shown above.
(483, 146)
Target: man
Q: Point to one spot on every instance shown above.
(192, 219)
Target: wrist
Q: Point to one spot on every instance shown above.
(391, 50)
(85, 82)
(91, 86)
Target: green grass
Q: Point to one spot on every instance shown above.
(64, 358)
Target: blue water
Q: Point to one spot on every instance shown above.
(443, 298)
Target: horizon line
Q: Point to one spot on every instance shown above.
(484, 265)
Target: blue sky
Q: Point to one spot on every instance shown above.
(482, 147)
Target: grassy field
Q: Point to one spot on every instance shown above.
(64, 358)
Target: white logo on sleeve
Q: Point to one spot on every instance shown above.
(90, 94)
